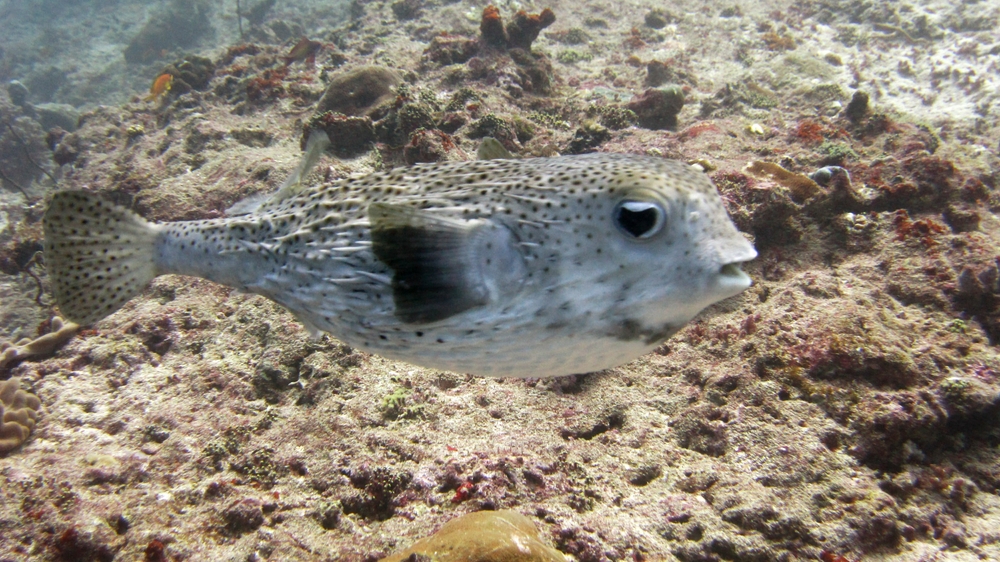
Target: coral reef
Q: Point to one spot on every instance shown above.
(431, 145)
(451, 49)
(19, 412)
(491, 27)
(800, 187)
(671, 72)
(857, 109)
(587, 138)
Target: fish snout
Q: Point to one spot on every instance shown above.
(734, 250)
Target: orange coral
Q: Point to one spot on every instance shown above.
(491, 27)
(523, 31)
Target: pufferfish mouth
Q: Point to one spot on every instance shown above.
(731, 275)
(731, 270)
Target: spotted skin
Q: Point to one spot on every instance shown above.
(528, 261)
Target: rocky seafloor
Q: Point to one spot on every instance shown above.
(845, 407)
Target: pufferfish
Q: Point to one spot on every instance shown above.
(536, 267)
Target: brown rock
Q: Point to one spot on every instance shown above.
(348, 135)
(657, 108)
(358, 91)
(484, 536)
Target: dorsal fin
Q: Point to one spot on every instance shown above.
(318, 143)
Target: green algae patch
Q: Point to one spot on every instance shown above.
(399, 406)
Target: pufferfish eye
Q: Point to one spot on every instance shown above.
(639, 219)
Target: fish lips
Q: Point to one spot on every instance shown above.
(732, 280)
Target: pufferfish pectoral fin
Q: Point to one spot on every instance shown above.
(443, 266)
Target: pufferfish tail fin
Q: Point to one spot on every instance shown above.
(98, 254)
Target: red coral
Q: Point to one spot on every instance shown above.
(870, 176)
(933, 172)
(238, 51)
(808, 131)
(974, 191)
(268, 86)
(921, 229)
(463, 492)
(234, 70)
